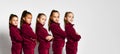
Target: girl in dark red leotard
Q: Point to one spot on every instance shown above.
(72, 36)
(58, 34)
(29, 37)
(42, 35)
(16, 38)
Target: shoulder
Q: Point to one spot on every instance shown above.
(54, 24)
(68, 25)
(24, 25)
(12, 28)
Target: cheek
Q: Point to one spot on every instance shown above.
(14, 23)
(29, 20)
(56, 20)
(68, 19)
(44, 21)
(53, 19)
(41, 21)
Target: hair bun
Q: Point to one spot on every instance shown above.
(12, 14)
(25, 11)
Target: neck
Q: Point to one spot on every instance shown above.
(13, 25)
(40, 24)
(27, 23)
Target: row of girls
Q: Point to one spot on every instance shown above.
(24, 39)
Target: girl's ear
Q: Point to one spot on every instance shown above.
(38, 19)
(24, 19)
(65, 18)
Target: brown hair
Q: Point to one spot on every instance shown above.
(50, 19)
(11, 17)
(66, 14)
(24, 14)
(39, 15)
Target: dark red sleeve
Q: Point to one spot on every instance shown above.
(42, 33)
(57, 30)
(28, 31)
(16, 35)
(72, 33)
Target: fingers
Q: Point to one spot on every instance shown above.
(48, 38)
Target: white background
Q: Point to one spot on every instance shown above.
(98, 22)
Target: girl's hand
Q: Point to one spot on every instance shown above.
(48, 38)
(33, 39)
(77, 33)
(51, 38)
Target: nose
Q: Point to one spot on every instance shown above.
(57, 19)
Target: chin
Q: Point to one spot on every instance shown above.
(70, 22)
(57, 22)
(29, 23)
(15, 25)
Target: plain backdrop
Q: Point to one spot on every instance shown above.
(98, 22)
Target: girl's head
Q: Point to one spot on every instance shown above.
(54, 17)
(26, 17)
(13, 20)
(68, 18)
(41, 18)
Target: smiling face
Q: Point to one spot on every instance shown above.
(14, 21)
(69, 17)
(28, 18)
(55, 17)
(42, 19)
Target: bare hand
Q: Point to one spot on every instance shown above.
(48, 38)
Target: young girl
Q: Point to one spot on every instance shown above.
(42, 34)
(58, 34)
(28, 35)
(72, 36)
(15, 35)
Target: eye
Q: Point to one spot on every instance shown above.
(69, 16)
(54, 16)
